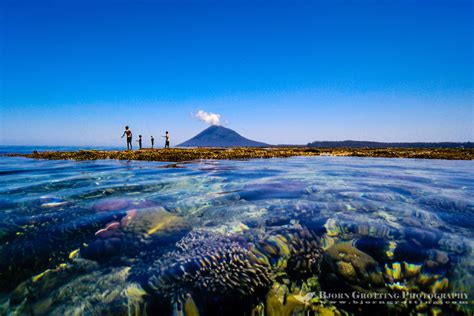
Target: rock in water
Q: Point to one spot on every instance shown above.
(149, 229)
(347, 268)
(140, 230)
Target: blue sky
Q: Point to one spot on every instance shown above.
(75, 72)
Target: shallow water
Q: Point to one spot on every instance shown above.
(397, 211)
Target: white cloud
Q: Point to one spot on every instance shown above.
(208, 118)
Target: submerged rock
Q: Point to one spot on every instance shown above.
(347, 268)
(139, 230)
(148, 225)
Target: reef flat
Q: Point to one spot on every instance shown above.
(235, 153)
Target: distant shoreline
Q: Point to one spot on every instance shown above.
(236, 153)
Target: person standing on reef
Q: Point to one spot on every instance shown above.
(167, 140)
(152, 142)
(129, 137)
(139, 141)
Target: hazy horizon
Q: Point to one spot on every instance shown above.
(75, 73)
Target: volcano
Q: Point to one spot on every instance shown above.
(219, 136)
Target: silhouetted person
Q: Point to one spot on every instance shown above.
(129, 137)
(139, 141)
(167, 140)
(152, 142)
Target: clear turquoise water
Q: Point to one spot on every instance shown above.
(50, 208)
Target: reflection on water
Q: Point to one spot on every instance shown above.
(233, 236)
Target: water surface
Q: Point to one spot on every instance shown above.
(397, 211)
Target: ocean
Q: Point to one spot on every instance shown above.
(263, 236)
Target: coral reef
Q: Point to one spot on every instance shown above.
(180, 154)
(217, 269)
(296, 251)
(210, 263)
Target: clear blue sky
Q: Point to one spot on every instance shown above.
(75, 72)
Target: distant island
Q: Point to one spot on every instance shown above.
(368, 144)
(220, 136)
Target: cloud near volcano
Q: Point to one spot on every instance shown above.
(208, 118)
